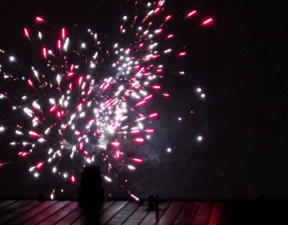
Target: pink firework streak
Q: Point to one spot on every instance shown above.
(77, 115)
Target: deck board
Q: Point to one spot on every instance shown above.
(151, 216)
(218, 215)
(137, 215)
(46, 213)
(6, 203)
(60, 214)
(12, 207)
(113, 213)
(32, 212)
(81, 220)
(70, 218)
(187, 214)
(171, 213)
(203, 214)
(17, 212)
(124, 214)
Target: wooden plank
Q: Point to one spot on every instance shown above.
(6, 203)
(106, 205)
(75, 216)
(171, 213)
(203, 214)
(219, 215)
(60, 214)
(30, 213)
(138, 215)
(70, 218)
(45, 213)
(12, 207)
(16, 213)
(111, 211)
(124, 213)
(151, 216)
(187, 214)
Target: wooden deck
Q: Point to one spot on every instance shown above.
(114, 212)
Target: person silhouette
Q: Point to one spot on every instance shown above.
(153, 204)
(91, 194)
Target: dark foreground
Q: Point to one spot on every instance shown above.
(114, 212)
(129, 213)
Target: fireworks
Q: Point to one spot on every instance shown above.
(78, 114)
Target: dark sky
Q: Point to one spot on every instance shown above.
(239, 62)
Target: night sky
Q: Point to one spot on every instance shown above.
(239, 62)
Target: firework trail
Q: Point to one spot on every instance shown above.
(79, 115)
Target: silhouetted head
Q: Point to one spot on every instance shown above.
(91, 176)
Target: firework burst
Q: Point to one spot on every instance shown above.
(85, 103)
